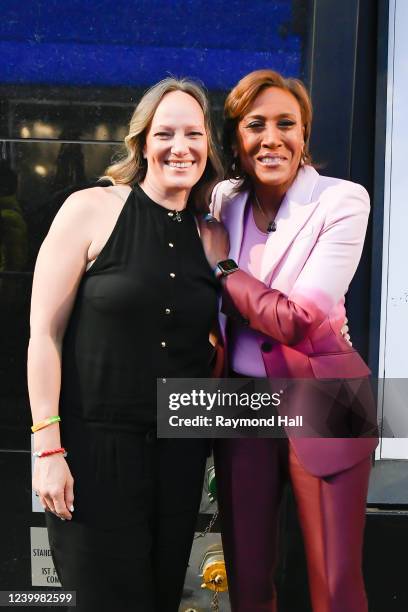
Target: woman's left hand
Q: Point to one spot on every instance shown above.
(215, 240)
(345, 332)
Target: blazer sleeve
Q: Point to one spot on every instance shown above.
(321, 284)
(223, 191)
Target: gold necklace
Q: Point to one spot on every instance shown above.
(271, 224)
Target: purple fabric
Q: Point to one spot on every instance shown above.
(245, 356)
(250, 475)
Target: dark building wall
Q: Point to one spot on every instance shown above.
(69, 80)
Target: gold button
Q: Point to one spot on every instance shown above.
(171, 245)
(172, 275)
(167, 311)
(163, 344)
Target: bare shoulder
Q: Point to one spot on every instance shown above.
(79, 206)
(116, 193)
(86, 207)
(92, 197)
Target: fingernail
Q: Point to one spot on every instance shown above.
(71, 508)
(62, 518)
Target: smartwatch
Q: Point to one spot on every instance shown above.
(225, 267)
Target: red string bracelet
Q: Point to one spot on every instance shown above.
(52, 451)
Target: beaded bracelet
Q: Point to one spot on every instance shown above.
(49, 421)
(53, 451)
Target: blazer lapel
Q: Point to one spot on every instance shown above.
(293, 213)
(233, 218)
(232, 215)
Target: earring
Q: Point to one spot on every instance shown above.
(234, 166)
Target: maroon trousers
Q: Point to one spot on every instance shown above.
(251, 474)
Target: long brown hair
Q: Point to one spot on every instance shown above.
(132, 167)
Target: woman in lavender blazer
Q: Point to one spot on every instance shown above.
(296, 237)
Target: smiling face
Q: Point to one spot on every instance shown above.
(176, 145)
(270, 139)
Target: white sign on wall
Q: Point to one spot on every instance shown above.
(43, 572)
(393, 362)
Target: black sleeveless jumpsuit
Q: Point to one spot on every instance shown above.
(143, 311)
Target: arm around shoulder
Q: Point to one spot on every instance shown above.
(324, 277)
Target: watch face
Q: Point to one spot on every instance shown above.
(228, 264)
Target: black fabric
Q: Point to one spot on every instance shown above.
(136, 505)
(136, 497)
(112, 349)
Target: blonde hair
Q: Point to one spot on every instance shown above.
(241, 98)
(132, 167)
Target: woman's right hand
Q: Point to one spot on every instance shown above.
(53, 481)
(215, 240)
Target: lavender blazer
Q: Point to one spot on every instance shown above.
(298, 305)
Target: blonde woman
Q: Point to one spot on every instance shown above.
(122, 292)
